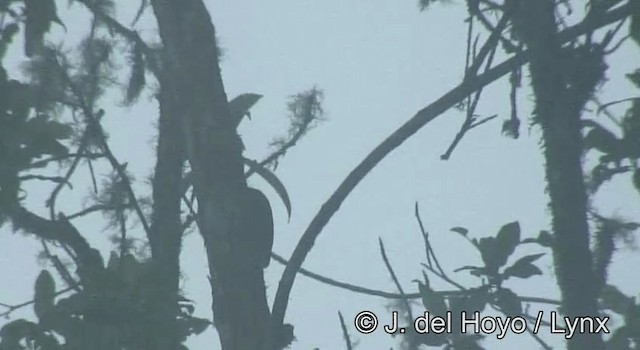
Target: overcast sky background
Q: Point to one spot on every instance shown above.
(378, 62)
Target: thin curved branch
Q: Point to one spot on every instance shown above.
(345, 333)
(56, 179)
(389, 295)
(51, 201)
(89, 210)
(421, 118)
(394, 277)
(59, 266)
(44, 162)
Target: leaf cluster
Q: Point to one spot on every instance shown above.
(116, 307)
(495, 252)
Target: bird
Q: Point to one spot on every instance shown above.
(255, 229)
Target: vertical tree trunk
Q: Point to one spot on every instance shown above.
(214, 151)
(166, 227)
(558, 112)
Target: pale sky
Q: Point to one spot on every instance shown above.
(378, 62)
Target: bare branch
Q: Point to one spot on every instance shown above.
(429, 253)
(89, 210)
(43, 162)
(394, 277)
(345, 334)
(389, 295)
(57, 179)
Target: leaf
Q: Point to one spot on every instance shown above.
(631, 130)
(601, 139)
(614, 300)
(461, 230)
(505, 243)
(474, 270)
(273, 180)
(487, 248)
(240, 105)
(508, 301)
(523, 268)
(545, 239)
(13, 332)
(634, 77)
(73, 304)
(473, 300)
(433, 302)
(45, 292)
(197, 325)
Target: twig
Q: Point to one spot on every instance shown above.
(444, 277)
(429, 252)
(302, 129)
(468, 123)
(490, 45)
(56, 179)
(389, 295)
(394, 277)
(345, 334)
(604, 106)
(59, 266)
(93, 124)
(51, 201)
(45, 161)
(487, 24)
(89, 210)
(128, 34)
(13, 308)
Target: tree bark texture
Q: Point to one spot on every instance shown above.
(214, 151)
(557, 110)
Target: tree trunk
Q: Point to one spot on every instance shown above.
(214, 151)
(166, 228)
(558, 111)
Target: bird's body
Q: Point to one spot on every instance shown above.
(255, 229)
